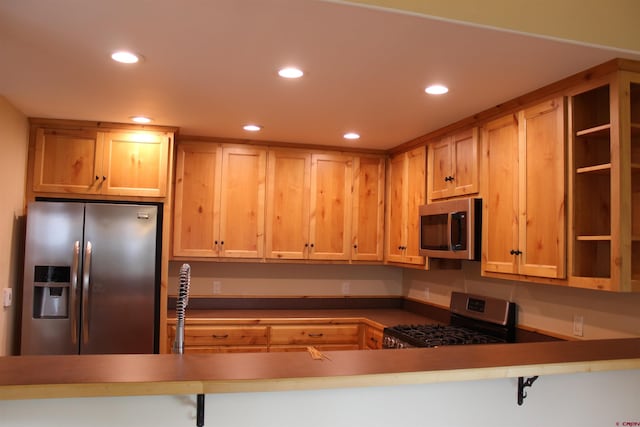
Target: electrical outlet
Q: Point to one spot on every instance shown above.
(217, 287)
(7, 297)
(578, 325)
(345, 288)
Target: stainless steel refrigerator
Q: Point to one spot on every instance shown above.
(91, 279)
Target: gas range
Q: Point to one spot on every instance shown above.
(473, 320)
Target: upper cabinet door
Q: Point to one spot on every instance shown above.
(330, 222)
(87, 161)
(67, 161)
(197, 200)
(242, 202)
(396, 210)
(500, 183)
(368, 209)
(542, 236)
(135, 163)
(440, 161)
(405, 193)
(524, 192)
(288, 191)
(453, 165)
(465, 165)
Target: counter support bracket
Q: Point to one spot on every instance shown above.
(200, 410)
(522, 384)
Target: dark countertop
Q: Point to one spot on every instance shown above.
(23, 377)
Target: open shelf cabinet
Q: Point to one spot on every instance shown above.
(604, 165)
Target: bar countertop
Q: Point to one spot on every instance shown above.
(34, 377)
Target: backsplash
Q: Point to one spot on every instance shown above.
(544, 307)
(244, 279)
(540, 307)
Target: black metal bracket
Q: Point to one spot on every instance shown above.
(200, 410)
(522, 384)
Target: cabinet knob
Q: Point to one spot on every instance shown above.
(312, 245)
(449, 178)
(97, 177)
(355, 246)
(222, 242)
(515, 252)
(306, 245)
(104, 178)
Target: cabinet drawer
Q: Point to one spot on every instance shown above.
(214, 336)
(316, 334)
(226, 349)
(372, 338)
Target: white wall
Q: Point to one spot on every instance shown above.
(14, 134)
(600, 399)
(545, 307)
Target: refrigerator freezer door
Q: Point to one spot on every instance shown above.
(54, 230)
(119, 305)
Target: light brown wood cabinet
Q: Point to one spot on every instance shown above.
(453, 166)
(524, 192)
(235, 336)
(222, 338)
(101, 162)
(604, 182)
(323, 337)
(371, 338)
(405, 193)
(367, 226)
(324, 206)
(219, 201)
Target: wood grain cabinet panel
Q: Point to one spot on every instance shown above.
(219, 201)
(330, 207)
(367, 226)
(371, 338)
(453, 166)
(524, 192)
(287, 207)
(405, 193)
(324, 206)
(324, 337)
(92, 162)
(222, 339)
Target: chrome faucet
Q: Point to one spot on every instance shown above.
(181, 306)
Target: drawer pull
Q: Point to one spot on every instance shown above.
(317, 335)
(220, 337)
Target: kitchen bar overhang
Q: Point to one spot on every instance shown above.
(38, 377)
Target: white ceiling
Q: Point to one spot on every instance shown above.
(210, 67)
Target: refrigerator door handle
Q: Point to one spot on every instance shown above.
(85, 292)
(74, 292)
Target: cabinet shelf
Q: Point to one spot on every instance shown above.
(600, 131)
(603, 168)
(590, 238)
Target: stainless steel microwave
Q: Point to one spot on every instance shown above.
(451, 229)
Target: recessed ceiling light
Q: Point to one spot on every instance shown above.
(141, 119)
(436, 89)
(252, 128)
(351, 135)
(125, 57)
(290, 73)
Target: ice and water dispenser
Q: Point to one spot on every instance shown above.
(51, 288)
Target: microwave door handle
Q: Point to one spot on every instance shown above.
(450, 234)
(455, 245)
